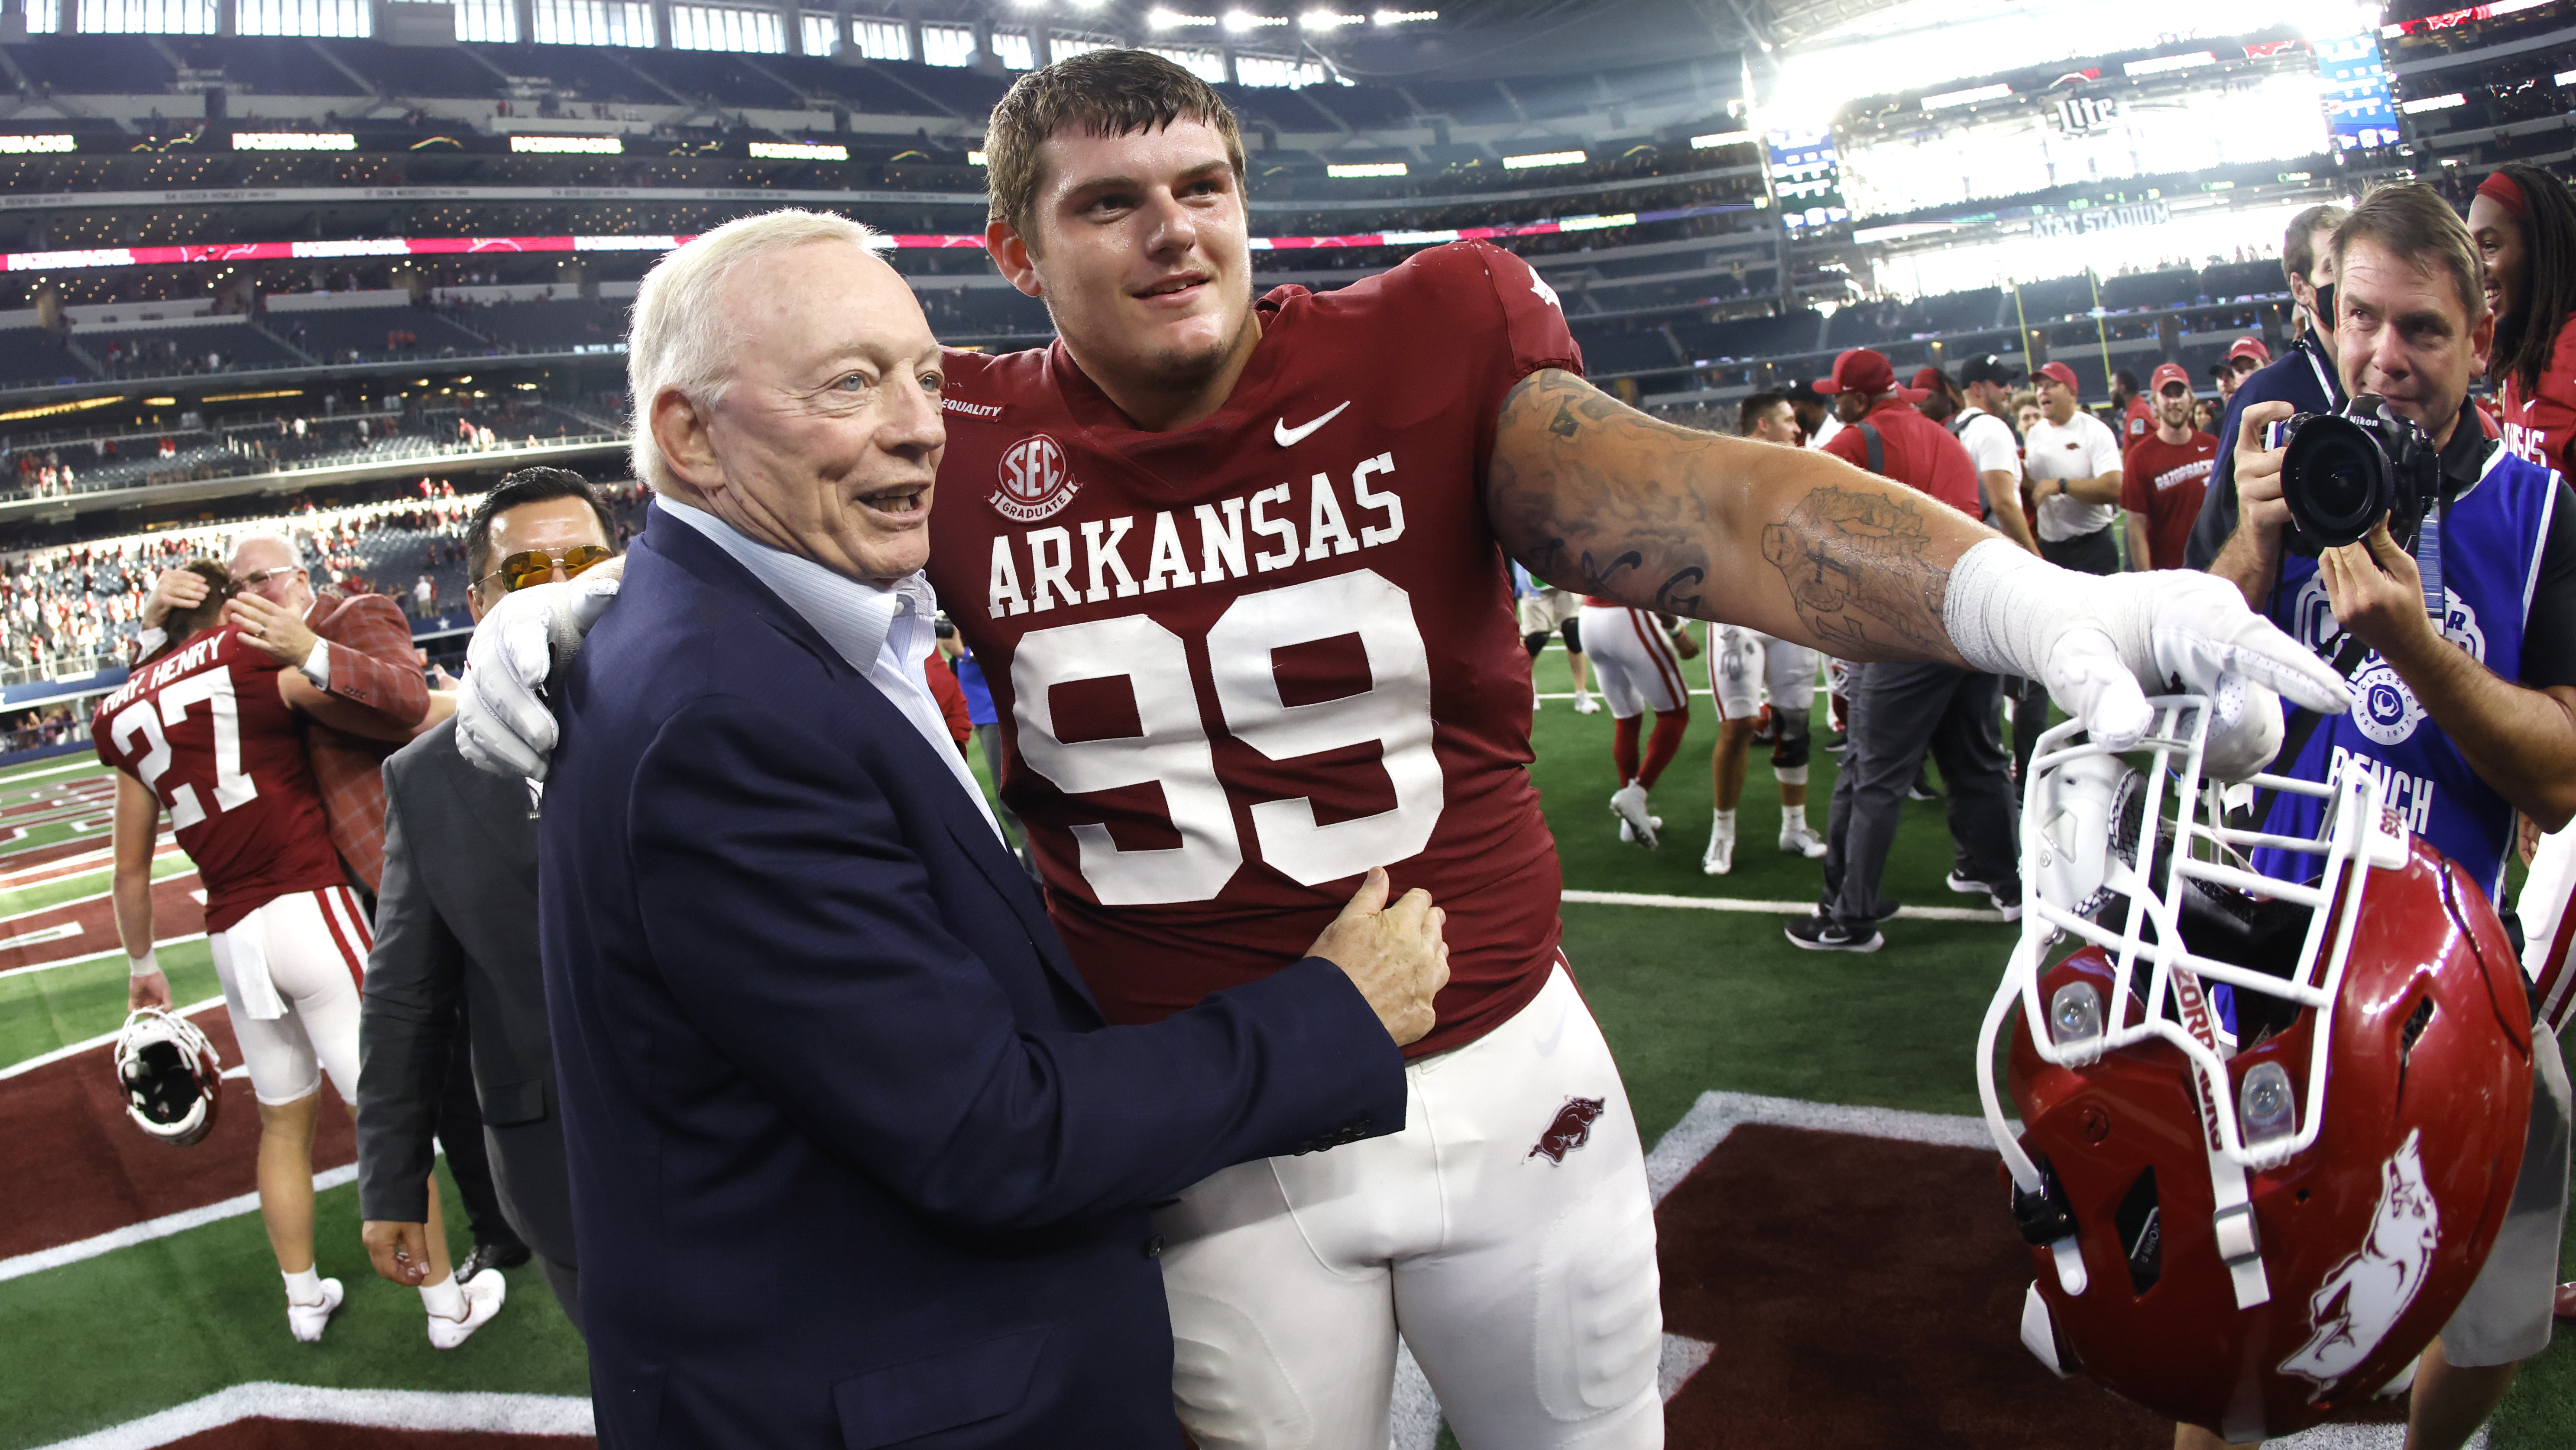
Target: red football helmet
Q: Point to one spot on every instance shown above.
(2250, 1232)
(170, 1074)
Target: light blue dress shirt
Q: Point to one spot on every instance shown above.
(885, 631)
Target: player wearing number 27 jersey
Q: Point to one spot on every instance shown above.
(204, 730)
(1241, 662)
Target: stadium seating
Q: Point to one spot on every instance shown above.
(374, 333)
(31, 357)
(185, 351)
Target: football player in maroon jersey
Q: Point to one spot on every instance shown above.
(207, 729)
(1203, 545)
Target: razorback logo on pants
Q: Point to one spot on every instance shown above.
(1571, 1130)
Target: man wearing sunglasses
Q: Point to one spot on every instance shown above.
(456, 937)
(359, 648)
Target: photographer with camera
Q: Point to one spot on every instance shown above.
(2438, 571)
(2305, 376)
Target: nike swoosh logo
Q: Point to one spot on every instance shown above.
(1290, 437)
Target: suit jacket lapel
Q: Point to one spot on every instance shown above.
(699, 555)
(692, 551)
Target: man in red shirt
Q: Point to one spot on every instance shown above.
(1910, 448)
(1901, 710)
(2163, 475)
(2136, 417)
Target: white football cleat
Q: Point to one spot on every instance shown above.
(1628, 803)
(483, 1295)
(1586, 703)
(1802, 840)
(1628, 837)
(305, 1321)
(1720, 858)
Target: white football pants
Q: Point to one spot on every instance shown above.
(1633, 664)
(291, 971)
(1513, 1250)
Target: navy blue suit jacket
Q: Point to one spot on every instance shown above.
(854, 1160)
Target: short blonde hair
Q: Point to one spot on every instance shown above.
(683, 338)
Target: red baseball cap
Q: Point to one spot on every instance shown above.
(2060, 372)
(1927, 378)
(1865, 370)
(2250, 347)
(2168, 373)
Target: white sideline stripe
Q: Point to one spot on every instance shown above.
(93, 896)
(157, 1228)
(115, 951)
(92, 764)
(1716, 1114)
(75, 1049)
(1768, 908)
(500, 1414)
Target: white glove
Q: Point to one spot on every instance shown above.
(502, 723)
(2103, 644)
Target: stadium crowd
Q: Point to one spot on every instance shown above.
(2165, 475)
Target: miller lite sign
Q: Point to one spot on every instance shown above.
(2079, 114)
(1036, 481)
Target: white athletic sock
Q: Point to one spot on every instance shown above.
(444, 1299)
(1793, 818)
(1726, 821)
(303, 1287)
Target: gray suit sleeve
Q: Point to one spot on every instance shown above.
(406, 1027)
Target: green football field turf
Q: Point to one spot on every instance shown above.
(1690, 1001)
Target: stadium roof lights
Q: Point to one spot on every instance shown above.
(2565, 78)
(2163, 64)
(1721, 138)
(1542, 158)
(1364, 168)
(1328, 20)
(1236, 22)
(2422, 104)
(1969, 97)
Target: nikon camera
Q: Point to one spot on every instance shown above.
(2346, 468)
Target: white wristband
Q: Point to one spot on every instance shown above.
(146, 965)
(2005, 607)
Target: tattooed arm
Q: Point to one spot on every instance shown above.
(1598, 497)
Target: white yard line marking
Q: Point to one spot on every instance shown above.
(1687, 1143)
(10, 780)
(455, 1412)
(87, 863)
(75, 1049)
(1768, 908)
(115, 951)
(41, 935)
(157, 1228)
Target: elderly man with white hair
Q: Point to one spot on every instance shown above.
(855, 1158)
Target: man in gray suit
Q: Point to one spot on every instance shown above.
(456, 935)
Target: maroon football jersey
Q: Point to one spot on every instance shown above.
(1238, 664)
(204, 730)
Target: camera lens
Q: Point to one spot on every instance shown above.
(2335, 479)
